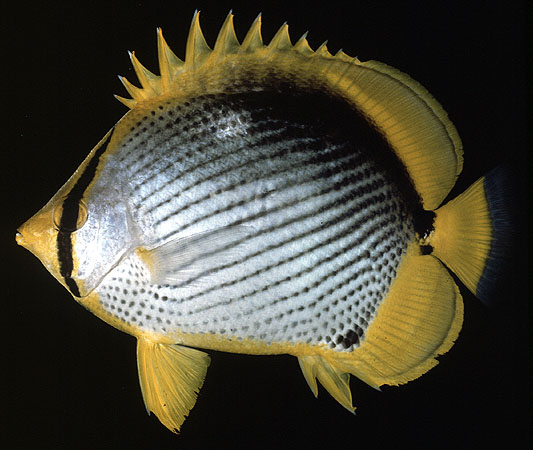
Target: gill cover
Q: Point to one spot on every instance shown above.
(81, 233)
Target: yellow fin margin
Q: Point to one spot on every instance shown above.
(418, 320)
(170, 377)
(415, 125)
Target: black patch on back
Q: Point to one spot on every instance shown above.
(317, 113)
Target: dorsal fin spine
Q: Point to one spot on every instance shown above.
(197, 50)
(136, 93)
(302, 46)
(227, 41)
(148, 80)
(322, 51)
(169, 63)
(128, 102)
(343, 56)
(281, 40)
(253, 40)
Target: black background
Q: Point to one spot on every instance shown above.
(70, 381)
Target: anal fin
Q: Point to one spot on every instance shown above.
(336, 381)
(170, 377)
(419, 319)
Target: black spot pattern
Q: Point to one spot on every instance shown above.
(330, 221)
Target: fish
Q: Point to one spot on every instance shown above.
(273, 199)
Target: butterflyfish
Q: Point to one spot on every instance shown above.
(272, 199)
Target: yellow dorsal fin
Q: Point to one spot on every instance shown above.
(170, 378)
(149, 81)
(322, 50)
(138, 94)
(227, 41)
(281, 40)
(302, 46)
(344, 57)
(128, 102)
(415, 125)
(253, 40)
(408, 117)
(196, 50)
(169, 64)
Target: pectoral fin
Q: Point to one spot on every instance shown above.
(189, 259)
(170, 377)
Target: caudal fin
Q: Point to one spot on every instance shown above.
(473, 232)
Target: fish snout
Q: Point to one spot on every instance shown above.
(19, 238)
(38, 235)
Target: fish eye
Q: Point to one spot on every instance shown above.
(70, 215)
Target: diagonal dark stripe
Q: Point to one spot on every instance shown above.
(349, 213)
(69, 218)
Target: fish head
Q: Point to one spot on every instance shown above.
(83, 231)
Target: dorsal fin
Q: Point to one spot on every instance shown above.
(227, 41)
(281, 40)
(410, 119)
(196, 50)
(302, 46)
(169, 64)
(148, 80)
(253, 40)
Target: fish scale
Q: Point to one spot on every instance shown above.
(314, 207)
(259, 306)
(270, 199)
(162, 180)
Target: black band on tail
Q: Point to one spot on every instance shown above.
(501, 190)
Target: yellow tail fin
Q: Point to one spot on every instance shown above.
(463, 234)
(472, 232)
(170, 378)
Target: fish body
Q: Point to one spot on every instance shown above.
(271, 199)
(258, 225)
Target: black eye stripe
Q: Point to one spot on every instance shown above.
(69, 221)
(69, 215)
(69, 218)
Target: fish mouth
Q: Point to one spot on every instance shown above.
(20, 239)
(41, 245)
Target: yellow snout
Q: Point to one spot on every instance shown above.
(39, 236)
